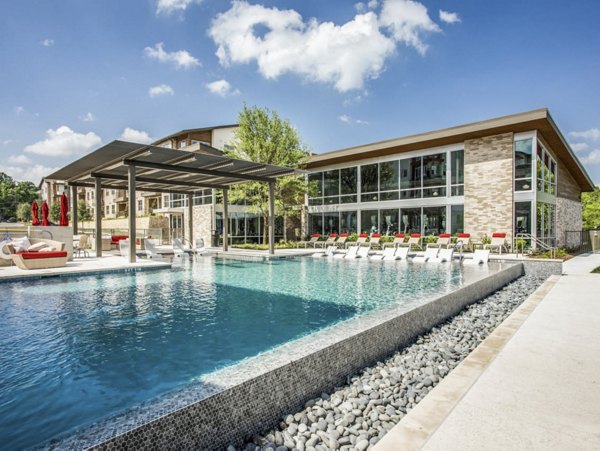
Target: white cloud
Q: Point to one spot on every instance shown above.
(19, 159)
(592, 158)
(169, 6)
(33, 173)
(89, 117)
(64, 142)
(182, 59)
(48, 42)
(349, 120)
(592, 133)
(136, 136)
(407, 20)
(160, 90)
(579, 147)
(449, 17)
(373, 4)
(7, 142)
(19, 110)
(360, 7)
(221, 88)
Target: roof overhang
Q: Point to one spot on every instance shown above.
(539, 120)
(164, 170)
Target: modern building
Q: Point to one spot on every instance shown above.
(513, 174)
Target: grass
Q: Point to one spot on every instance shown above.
(597, 270)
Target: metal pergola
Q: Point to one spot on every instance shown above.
(136, 167)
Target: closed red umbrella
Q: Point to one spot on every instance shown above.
(45, 211)
(35, 220)
(64, 208)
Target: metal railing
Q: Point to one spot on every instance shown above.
(582, 241)
(522, 239)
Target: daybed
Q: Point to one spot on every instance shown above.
(40, 260)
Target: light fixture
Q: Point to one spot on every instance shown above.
(526, 186)
(435, 193)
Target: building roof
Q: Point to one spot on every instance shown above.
(159, 169)
(532, 120)
(192, 130)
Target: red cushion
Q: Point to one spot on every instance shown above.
(376, 235)
(364, 235)
(445, 235)
(332, 235)
(498, 235)
(415, 235)
(316, 235)
(34, 255)
(400, 235)
(343, 234)
(463, 235)
(114, 239)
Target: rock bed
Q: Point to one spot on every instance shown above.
(357, 415)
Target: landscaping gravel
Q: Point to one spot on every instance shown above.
(357, 415)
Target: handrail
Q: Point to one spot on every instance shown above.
(539, 243)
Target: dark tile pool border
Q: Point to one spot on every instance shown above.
(266, 389)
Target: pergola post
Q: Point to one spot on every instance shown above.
(74, 209)
(191, 220)
(98, 201)
(271, 218)
(225, 222)
(131, 214)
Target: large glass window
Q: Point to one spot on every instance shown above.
(410, 220)
(316, 180)
(348, 222)
(331, 222)
(348, 185)
(315, 223)
(410, 178)
(368, 183)
(546, 171)
(523, 217)
(545, 224)
(523, 167)
(457, 162)
(368, 221)
(434, 220)
(388, 219)
(388, 180)
(331, 187)
(457, 219)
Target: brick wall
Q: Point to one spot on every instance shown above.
(568, 217)
(489, 185)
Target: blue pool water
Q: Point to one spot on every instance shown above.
(74, 350)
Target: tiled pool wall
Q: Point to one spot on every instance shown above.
(257, 403)
(542, 268)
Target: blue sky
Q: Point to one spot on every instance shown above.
(76, 74)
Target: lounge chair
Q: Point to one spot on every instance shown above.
(178, 248)
(444, 255)
(443, 240)
(398, 240)
(352, 252)
(313, 239)
(199, 247)
(329, 252)
(464, 240)
(124, 247)
(363, 251)
(498, 242)
(361, 240)
(81, 246)
(331, 239)
(54, 256)
(341, 241)
(389, 253)
(375, 238)
(480, 256)
(150, 248)
(401, 253)
(430, 252)
(413, 241)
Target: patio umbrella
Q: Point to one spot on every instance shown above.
(64, 208)
(45, 211)
(35, 220)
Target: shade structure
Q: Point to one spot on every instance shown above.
(64, 209)
(45, 211)
(35, 220)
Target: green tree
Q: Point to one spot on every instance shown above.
(14, 193)
(55, 212)
(23, 212)
(264, 137)
(83, 212)
(591, 209)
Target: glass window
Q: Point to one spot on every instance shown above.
(434, 220)
(410, 173)
(523, 158)
(348, 199)
(331, 183)
(410, 220)
(253, 226)
(348, 179)
(458, 167)
(439, 191)
(331, 221)
(315, 223)
(389, 221)
(368, 221)
(434, 170)
(316, 179)
(348, 222)
(457, 219)
(388, 176)
(522, 217)
(368, 178)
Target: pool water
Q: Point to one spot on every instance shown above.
(74, 350)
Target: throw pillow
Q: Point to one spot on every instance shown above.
(47, 249)
(37, 247)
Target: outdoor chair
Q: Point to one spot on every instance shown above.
(81, 246)
(199, 247)
(352, 252)
(329, 252)
(389, 253)
(363, 251)
(375, 239)
(480, 256)
(398, 240)
(444, 255)
(401, 253)
(313, 239)
(331, 239)
(40, 253)
(464, 241)
(150, 248)
(430, 252)
(413, 241)
(498, 242)
(362, 240)
(341, 241)
(443, 240)
(178, 249)
(124, 247)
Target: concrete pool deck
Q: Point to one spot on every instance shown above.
(534, 383)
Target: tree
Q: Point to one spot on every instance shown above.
(14, 193)
(263, 137)
(55, 212)
(83, 212)
(591, 209)
(23, 212)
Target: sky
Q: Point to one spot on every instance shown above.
(76, 74)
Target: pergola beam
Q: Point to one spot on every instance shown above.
(157, 181)
(191, 170)
(125, 187)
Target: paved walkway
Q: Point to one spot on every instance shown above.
(533, 384)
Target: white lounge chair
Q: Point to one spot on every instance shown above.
(413, 241)
(199, 247)
(498, 242)
(363, 251)
(178, 248)
(401, 253)
(443, 240)
(430, 252)
(480, 256)
(389, 253)
(151, 251)
(124, 248)
(398, 240)
(444, 255)
(331, 239)
(313, 239)
(329, 252)
(352, 252)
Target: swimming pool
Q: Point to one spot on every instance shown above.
(75, 350)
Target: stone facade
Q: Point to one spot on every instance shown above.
(489, 185)
(567, 187)
(202, 218)
(568, 217)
